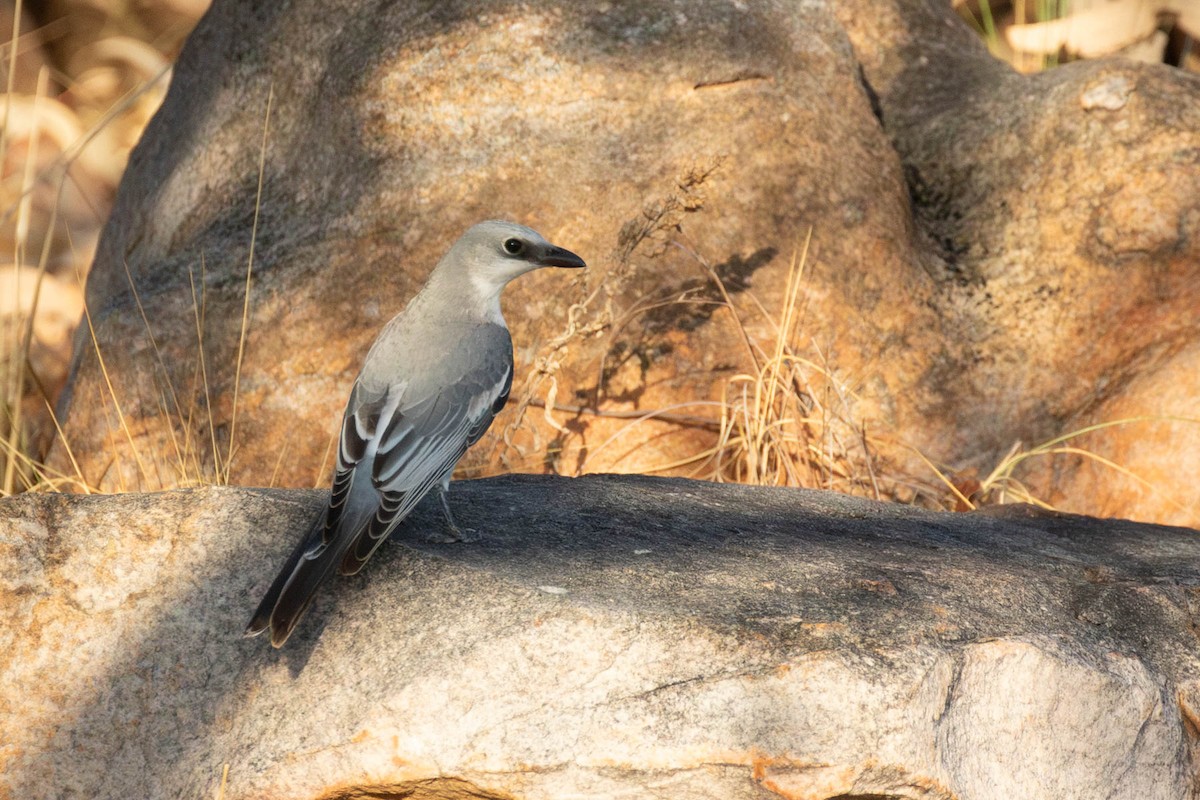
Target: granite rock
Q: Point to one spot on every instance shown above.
(609, 636)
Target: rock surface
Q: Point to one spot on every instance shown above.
(605, 128)
(610, 636)
(995, 258)
(1065, 207)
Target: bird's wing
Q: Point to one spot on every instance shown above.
(360, 426)
(419, 444)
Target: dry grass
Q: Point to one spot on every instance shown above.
(197, 459)
(787, 422)
(1002, 484)
(775, 431)
(790, 419)
(784, 421)
(65, 135)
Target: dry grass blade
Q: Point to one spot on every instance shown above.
(321, 480)
(224, 782)
(1001, 484)
(237, 374)
(278, 463)
(82, 484)
(183, 450)
(942, 477)
(720, 284)
(18, 11)
(199, 307)
(686, 420)
(112, 394)
(19, 359)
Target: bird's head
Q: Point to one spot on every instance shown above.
(492, 253)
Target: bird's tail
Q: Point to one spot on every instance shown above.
(293, 589)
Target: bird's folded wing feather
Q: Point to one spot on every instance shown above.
(359, 424)
(419, 442)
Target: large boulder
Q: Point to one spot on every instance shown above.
(1065, 210)
(994, 258)
(391, 130)
(608, 636)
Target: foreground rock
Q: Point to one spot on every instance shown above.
(610, 636)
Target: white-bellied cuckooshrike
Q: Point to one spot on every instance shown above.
(430, 386)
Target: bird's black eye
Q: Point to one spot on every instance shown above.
(513, 246)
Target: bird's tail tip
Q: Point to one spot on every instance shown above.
(279, 632)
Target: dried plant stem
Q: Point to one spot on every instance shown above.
(112, 393)
(16, 389)
(659, 414)
(237, 375)
(199, 307)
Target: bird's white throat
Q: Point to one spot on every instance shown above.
(488, 291)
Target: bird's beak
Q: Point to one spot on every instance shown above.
(558, 257)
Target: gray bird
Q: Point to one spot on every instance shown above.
(430, 386)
